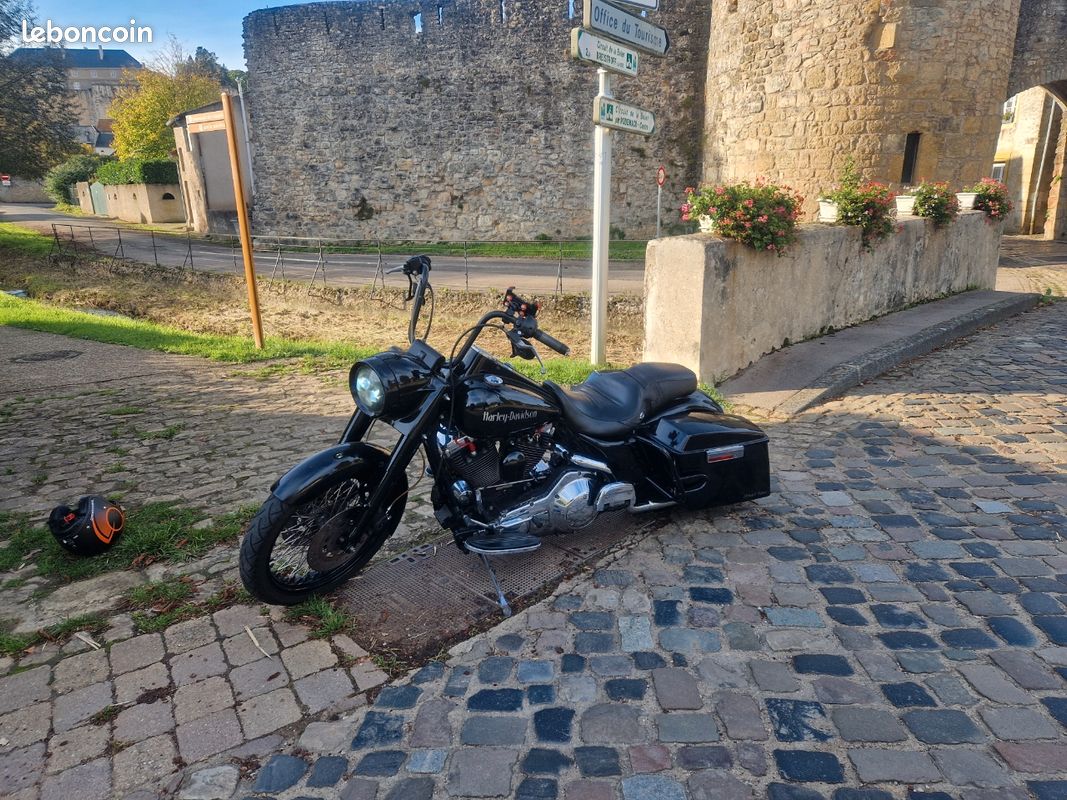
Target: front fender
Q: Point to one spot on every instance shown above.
(339, 460)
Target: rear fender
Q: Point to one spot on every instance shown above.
(334, 462)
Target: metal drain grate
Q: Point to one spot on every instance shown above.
(48, 355)
(433, 592)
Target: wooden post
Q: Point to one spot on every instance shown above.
(242, 220)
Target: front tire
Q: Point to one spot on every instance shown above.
(274, 560)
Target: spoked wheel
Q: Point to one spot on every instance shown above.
(293, 551)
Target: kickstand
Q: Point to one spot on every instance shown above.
(496, 585)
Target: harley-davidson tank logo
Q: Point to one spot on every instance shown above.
(507, 416)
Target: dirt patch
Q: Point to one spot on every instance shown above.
(210, 303)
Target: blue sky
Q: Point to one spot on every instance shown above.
(215, 25)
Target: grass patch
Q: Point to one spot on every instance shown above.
(13, 644)
(321, 616)
(69, 210)
(162, 604)
(168, 432)
(151, 595)
(123, 411)
(15, 238)
(155, 532)
(548, 250)
(105, 715)
(316, 356)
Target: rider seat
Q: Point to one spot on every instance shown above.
(611, 404)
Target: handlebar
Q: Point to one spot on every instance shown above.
(551, 341)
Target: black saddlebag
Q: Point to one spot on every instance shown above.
(720, 458)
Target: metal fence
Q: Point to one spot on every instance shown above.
(324, 263)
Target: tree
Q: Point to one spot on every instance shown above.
(144, 104)
(37, 116)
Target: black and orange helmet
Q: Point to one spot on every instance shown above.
(90, 528)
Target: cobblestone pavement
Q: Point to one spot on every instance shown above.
(1029, 264)
(890, 623)
(196, 433)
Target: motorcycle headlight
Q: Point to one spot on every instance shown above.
(388, 385)
(369, 391)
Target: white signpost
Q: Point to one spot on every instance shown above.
(586, 46)
(608, 113)
(625, 27)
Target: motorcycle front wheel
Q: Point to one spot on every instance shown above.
(293, 551)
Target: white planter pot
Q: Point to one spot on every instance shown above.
(707, 224)
(827, 211)
(905, 204)
(966, 200)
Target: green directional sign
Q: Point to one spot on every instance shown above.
(610, 113)
(586, 46)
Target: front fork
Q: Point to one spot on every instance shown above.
(414, 430)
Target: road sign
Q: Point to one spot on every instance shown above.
(661, 176)
(625, 27)
(5, 180)
(586, 46)
(610, 113)
(648, 5)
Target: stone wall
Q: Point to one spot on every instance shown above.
(1028, 164)
(717, 306)
(23, 190)
(794, 88)
(139, 202)
(1040, 45)
(480, 126)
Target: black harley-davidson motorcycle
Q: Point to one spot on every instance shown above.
(510, 459)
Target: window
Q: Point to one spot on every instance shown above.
(93, 74)
(168, 196)
(911, 155)
(77, 85)
(997, 173)
(1009, 109)
(417, 19)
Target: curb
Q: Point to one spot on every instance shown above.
(843, 377)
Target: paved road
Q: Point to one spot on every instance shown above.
(893, 619)
(341, 269)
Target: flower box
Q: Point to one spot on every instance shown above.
(905, 205)
(707, 224)
(966, 200)
(828, 211)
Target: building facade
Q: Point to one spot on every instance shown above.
(94, 76)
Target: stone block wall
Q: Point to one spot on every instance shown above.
(139, 202)
(795, 88)
(478, 126)
(716, 306)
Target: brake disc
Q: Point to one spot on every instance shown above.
(331, 545)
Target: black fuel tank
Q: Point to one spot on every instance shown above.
(494, 408)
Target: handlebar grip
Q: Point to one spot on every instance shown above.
(551, 341)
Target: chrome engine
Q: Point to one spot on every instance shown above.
(573, 502)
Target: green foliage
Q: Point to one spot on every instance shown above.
(60, 180)
(23, 241)
(136, 170)
(14, 644)
(319, 614)
(993, 199)
(37, 119)
(145, 103)
(162, 592)
(155, 532)
(868, 205)
(936, 202)
(761, 215)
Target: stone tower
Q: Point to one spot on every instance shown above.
(912, 89)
